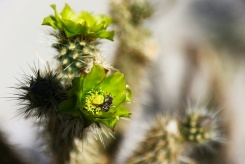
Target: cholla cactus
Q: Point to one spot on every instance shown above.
(91, 95)
(128, 19)
(160, 143)
(136, 48)
(140, 10)
(202, 133)
(40, 95)
(77, 35)
(174, 140)
(199, 127)
(90, 150)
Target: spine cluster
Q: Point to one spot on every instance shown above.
(173, 140)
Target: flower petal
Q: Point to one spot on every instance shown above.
(88, 18)
(71, 28)
(77, 84)
(110, 122)
(122, 111)
(94, 77)
(115, 85)
(57, 17)
(106, 35)
(50, 21)
(128, 94)
(68, 13)
(103, 19)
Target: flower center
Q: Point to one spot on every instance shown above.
(94, 101)
(97, 99)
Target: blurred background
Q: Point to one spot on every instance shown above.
(200, 46)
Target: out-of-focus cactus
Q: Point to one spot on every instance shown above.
(136, 48)
(199, 127)
(87, 155)
(173, 140)
(160, 144)
(9, 154)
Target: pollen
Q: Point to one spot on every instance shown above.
(93, 101)
(98, 99)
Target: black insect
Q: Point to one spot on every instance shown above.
(107, 103)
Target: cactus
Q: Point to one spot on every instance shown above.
(83, 96)
(136, 49)
(199, 127)
(76, 39)
(159, 144)
(84, 93)
(173, 140)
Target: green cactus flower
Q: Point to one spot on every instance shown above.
(96, 97)
(84, 23)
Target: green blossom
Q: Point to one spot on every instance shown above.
(96, 97)
(83, 23)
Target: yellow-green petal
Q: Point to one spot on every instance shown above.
(109, 122)
(68, 13)
(50, 22)
(106, 35)
(115, 85)
(84, 24)
(57, 16)
(71, 28)
(94, 77)
(77, 87)
(122, 111)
